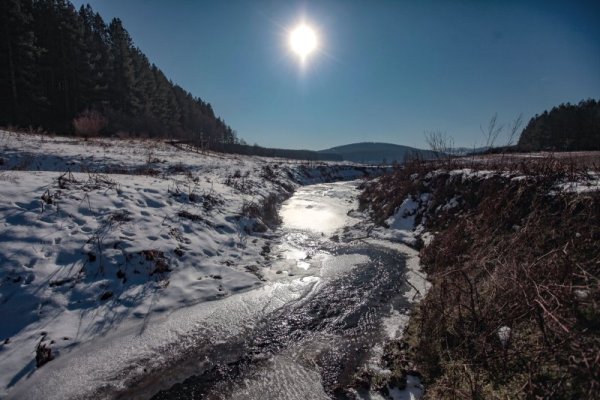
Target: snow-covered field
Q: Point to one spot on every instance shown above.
(102, 238)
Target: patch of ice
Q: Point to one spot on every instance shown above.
(417, 279)
(317, 209)
(395, 324)
(413, 391)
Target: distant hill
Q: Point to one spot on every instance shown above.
(256, 150)
(376, 153)
(464, 151)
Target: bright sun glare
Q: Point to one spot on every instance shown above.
(303, 41)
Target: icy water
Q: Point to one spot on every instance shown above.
(309, 346)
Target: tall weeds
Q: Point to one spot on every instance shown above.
(514, 307)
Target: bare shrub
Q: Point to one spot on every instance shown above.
(89, 123)
(190, 216)
(161, 266)
(240, 182)
(440, 144)
(43, 354)
(266, 210)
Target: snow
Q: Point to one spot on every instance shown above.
(111, 249)
(504, 333)
(413, 391)
(404, 217)
(586, 184)
(401, 225)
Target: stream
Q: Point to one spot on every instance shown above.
(310, 346)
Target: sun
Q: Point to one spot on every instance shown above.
(303, 40)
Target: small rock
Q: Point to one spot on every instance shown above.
(106, 295)
(43, 354)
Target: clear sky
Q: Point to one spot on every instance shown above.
(384, 71)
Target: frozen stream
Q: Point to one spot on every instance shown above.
(330, 297)
(310, 346)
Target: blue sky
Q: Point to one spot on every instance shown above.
(386, 71)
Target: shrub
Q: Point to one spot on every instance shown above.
(89, 123)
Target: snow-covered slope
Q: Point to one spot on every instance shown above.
(97, 234)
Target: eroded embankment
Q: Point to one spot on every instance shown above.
(514, 262)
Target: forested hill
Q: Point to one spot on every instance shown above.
(67, 70)
(567, 127)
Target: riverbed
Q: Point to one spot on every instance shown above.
(333, 292)
(311, 346)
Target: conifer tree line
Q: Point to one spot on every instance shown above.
(567, 127)
(63, 69)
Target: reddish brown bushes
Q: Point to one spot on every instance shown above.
(89, 123)
(515, 253)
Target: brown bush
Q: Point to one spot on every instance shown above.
(266, 210)
(514, 253)
(89, 123)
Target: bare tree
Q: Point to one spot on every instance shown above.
(440, 144)
(514, 129)
(492, 132)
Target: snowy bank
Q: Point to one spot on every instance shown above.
(104, 236)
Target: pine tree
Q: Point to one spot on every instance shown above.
(61, 66)
(18, 71)
(96, 57)
(61, 62)
(122, 78)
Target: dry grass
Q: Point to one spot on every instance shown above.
(266, 209)
(515, 253)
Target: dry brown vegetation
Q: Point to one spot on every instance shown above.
(514, 253)
(89, 123)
